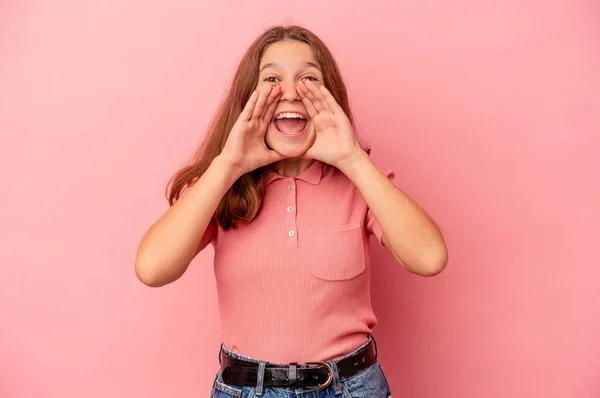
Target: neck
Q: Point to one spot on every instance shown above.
(291, 167)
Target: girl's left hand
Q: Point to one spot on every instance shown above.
(335, 140)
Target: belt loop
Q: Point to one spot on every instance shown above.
(335, 383)
(260, 378)
(220, 350)
(375, 343)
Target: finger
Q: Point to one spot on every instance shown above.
(316, 95)
(260, 103)
(333, 105)
(310, 108)
(268, 116)
(316, 103)
(247, 111)
(275, 92)
(302, 92)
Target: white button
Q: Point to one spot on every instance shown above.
(289, 209)
(291, 187)
(292, 233)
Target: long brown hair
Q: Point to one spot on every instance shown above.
(242, 202)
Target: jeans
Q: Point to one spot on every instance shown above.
(368, 383)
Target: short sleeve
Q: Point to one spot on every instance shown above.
(371, 223)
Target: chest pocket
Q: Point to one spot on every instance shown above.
(336, 253)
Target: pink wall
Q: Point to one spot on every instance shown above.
(489, 114)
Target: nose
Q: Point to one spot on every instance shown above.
(289, 91)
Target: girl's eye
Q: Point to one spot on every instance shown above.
(271, 79)
(311, 78)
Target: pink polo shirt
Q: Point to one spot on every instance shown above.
(294, 284)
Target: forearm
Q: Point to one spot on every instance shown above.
(169, 246)
(410, 234)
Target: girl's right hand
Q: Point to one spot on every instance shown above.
(245, 148)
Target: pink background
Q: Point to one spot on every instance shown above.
(489, 113)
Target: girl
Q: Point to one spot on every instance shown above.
(288, 198)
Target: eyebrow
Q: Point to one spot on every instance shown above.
(274, 65)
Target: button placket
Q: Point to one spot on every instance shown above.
(291, 232)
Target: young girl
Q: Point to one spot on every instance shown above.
(288, 198)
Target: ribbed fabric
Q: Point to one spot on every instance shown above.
(294, 284)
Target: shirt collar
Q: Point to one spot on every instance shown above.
(312, 174)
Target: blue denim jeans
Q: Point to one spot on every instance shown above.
(368, 383)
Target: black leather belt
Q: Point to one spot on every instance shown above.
(319, 374)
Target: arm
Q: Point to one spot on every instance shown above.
(174, 240)
(408, 232)
(412, 237)
(169, 246)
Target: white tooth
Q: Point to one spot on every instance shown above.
(290, 115)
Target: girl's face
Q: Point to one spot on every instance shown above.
(287, 63)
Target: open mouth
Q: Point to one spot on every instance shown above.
(290, 123)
